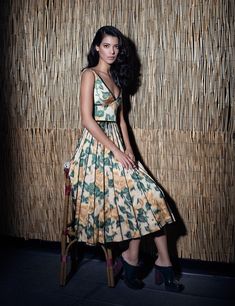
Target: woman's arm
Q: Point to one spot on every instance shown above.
(86, 107)
(125, 135)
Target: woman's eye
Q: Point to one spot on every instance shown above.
(106, 46)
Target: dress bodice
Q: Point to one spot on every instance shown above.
(105, 103)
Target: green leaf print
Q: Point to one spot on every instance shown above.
(89, 187)
(99, 83)
(105, 193)
(84, 199)
(87, 150)
(98, 193)
(121, 219)
(82, 155)
(148, 179)
(141, 217)
(147, 228)
(105, 95)
(89, 231)
(122, 209)
(87, 141)
(108, 222)
(141, 186)
(126, 195)
(107, 161)
(110, 183)
(101, 223)
(124, 191)
(131, 226)
(99, 162)
(94, 158)
(110, 117)
(96, 221)
(129, 216)
(135, 176)
(110, 238)
(99, 113)
(82, 162)
(128, 235)
(115, 165)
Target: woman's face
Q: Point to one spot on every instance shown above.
(108, 49)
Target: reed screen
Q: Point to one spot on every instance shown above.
(182, 116)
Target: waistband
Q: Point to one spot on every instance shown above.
(105, 121)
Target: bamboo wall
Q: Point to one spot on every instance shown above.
(182, 116)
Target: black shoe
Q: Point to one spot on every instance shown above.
(166, 275)
(130, 275)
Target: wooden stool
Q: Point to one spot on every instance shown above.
(68, 237)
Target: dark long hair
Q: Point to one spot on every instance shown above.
(120, 69)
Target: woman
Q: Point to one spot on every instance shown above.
(115, 198)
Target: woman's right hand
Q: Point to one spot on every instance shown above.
(124, 159)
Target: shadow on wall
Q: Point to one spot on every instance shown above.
(178, 228)
(6, 191)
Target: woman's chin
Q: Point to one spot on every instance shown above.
(110, 61)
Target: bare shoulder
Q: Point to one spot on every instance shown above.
(88, 75)
(87, 82)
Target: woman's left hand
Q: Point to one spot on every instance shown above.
(130, 153)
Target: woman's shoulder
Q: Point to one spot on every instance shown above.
(88, 74)
(88, 71)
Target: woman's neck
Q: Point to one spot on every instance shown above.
(103, 68)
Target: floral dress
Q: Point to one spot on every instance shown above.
(112, 203)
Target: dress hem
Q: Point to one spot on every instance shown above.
(123, 240)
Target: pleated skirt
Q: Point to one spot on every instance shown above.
(113, 204)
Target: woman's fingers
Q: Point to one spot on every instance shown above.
(130, 163)
(126, 161)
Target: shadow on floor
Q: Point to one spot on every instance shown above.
(30, 277)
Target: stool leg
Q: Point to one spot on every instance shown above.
(110, 268)
(63, 270)
(64, 234)
(109, 265)
(63, 259)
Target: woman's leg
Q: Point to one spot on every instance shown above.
(130, 258)
(131, 255)
(163, 258)
(163, 266)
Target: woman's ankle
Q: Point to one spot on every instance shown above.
(163, 262)
(131, 260)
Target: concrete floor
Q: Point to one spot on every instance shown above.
(30, 277)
